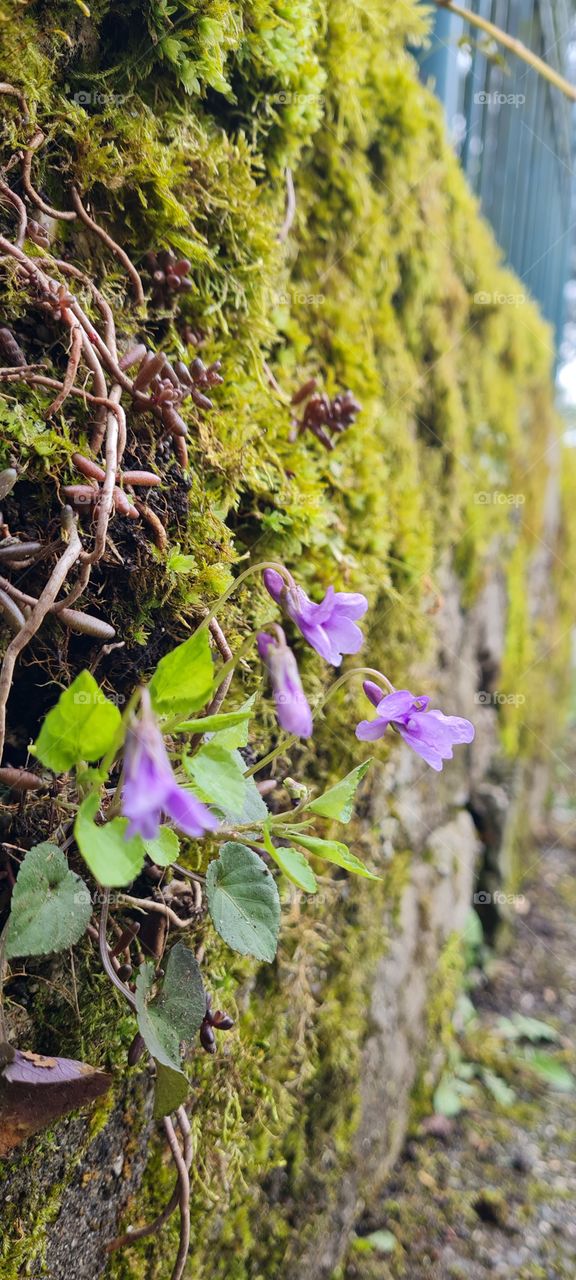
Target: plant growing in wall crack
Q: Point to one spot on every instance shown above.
(154, 821)
(145, 786)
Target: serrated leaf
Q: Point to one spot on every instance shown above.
(336, 852)
(164, 849)
(183, 679)
(113, 859)
(218, 778)
(338, 801)
(176, 1012)
(82, 726)
(243, 901)
(51, 905)
(293, 863)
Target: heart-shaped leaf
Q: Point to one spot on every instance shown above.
(113, 859)
(338, 801)
(243, 901)
(51, 905)
(82, 726)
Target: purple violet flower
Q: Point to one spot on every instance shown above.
(292, 708)
(149, 787)
(430, 733)
(329, 627)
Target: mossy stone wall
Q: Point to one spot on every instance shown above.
(178, 124)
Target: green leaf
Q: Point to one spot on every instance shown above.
(210, 724)
(255, 808)
(171, 48)
(170, 1091)
(338, 801)
(112, 859)
(450, 1095)
(243, 901)
(503, 1094)
(293, 863)
(552, 1071)
(237, 735)
(183, 679)
(382, 1241)
(176, 1013)
(334, 851)
(177, 562)
(164, 849)
(218, 778)
(522, 1027)
(51, 905)
(82, 726)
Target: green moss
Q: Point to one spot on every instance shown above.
(196, 114)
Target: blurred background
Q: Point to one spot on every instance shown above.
(514, 134)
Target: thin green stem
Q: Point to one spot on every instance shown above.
(285, 746)
(253, 568)
(172, 724)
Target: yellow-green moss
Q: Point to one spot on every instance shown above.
(374, 289)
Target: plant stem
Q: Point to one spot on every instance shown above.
(289, 742)
(253, 568)
(515, 46)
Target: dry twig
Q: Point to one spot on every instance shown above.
(46, 599)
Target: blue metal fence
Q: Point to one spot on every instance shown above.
(513, 133)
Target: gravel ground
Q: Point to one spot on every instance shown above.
(492, 1192)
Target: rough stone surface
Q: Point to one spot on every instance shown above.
(434, 815)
